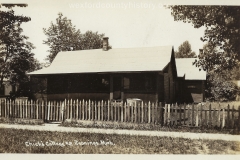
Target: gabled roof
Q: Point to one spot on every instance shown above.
(113, 60)
(185, 67)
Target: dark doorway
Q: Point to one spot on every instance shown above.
(117, 83)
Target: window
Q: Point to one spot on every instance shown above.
(139, 82)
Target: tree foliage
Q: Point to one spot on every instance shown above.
(220, 88)
(219, 85)
(16, 57)
(185, 51)
(222, 25)
(63, 36)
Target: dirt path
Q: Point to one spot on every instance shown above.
(56, 127)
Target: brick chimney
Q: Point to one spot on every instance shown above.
(105, 43)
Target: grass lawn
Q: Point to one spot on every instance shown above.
(26, 141)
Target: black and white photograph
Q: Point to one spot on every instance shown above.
(139, 77)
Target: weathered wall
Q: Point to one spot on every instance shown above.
(190, 91)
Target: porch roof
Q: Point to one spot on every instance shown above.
(185, 67)
(113, 60)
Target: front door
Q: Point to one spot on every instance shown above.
(117, 83)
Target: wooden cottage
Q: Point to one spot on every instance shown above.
(148, 74)
(191, 81)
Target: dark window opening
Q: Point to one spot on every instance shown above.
(140, 83)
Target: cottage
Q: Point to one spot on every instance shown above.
(191, 81)
(149, 74)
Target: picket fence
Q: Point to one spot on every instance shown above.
(154, 113)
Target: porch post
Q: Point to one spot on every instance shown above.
(111, 87)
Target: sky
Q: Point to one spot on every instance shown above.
(127, 23)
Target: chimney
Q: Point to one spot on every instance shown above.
(105, 43)
(200, 51)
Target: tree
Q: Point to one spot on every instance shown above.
(222, 29)
(185, 51)
(22, 63)
(218, 82)
(63, 36)
(13, 44)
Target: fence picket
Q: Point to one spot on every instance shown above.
(20, 108)
(214, 117)
(223, 116)
(142, 112)
(9, 109)
(219, 117)
(210, 115)
(80, 110)
(168, 114)
(125, 112)
(176, 115)
(89, 110)
(121, 111)
(228, 117)
(180, 115)
(232, 121)
(1, 108)
(197, 116)
(149, 112)
(152, 113)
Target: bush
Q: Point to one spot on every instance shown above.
(219, 88)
